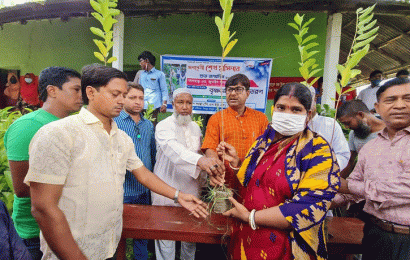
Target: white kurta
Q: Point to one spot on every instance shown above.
(178, 152)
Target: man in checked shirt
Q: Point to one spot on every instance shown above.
(382, 177)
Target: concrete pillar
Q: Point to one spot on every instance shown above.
(118, 38)
(334, 29)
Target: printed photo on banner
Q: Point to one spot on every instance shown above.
(202, 75)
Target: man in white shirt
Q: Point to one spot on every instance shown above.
(368, 95)
(77, 170)
(330, 129)
(179, 163)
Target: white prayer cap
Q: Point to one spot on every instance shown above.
(313, 93)
(180, 91)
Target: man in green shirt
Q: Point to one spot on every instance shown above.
(60, 90)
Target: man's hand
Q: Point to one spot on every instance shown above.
(215, 180)
(229, 153)
(196, 206)
(163, 108)
(238, 211)
(212, 165)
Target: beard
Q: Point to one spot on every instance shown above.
(183, 120)
(363, 130)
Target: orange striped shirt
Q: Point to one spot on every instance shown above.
(239, 131)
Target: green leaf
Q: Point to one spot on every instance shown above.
(294, 26)
(112, 4)
(298, 19)
(303, 32)
(354, 73)
(229, 47)
(314, 66)
(219, 24)
(368, 34)
(298, 38)
(309, 38)
(310, 54)
(110, 60)
(304, 72)
(369, 26)
(367, 11)
(359, 10)
(314, 81)
(365, 21)
(357, 57)
(338, 88)
(224, 38)
(311, 45)
(109, 45)
(97, 32)
(348, 90)
(363, 43)
(313, 72)
(96, 6)
(308, 22)
(228, 21)
(114, 12)
(98, 17)
(230, 37)
(345, 77)
(101, 47)
(99, 56)
(340, 68)
(222, 3)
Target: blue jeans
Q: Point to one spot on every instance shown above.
(140, 245)
(33, 246)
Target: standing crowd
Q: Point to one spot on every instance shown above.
(72, 173)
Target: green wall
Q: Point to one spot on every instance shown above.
(39, 44)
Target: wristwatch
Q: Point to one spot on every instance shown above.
(176, 196)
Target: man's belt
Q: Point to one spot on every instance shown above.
(389, 226)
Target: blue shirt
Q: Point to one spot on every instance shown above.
(143, 136)
(155, 87)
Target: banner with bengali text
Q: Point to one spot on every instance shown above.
(201, 74)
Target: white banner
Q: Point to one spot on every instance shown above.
(202, 74)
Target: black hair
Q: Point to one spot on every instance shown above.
(146, 55)
(96, 76)
(136, 86)
(375, 72)
(238, 78)
(298, 90)
(351, 108)
(402, 73)
(54, 76)
(391, 83)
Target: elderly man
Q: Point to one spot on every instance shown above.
(381, 177)
(179, 163)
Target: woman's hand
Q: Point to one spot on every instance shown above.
(238, 211)
(196, 206)
(228, 152)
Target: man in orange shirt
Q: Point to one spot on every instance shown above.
(242, 125)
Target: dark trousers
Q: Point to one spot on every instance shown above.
(33, 246)
(379, 244)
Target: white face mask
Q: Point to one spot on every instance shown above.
(288, 124)
(28, 80)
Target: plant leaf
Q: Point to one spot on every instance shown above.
(298, 38)
(363, 43)
(311, 45)
(314, 81)
(229, 47)
(365, 21)
(304, 72)
(101, 47)
(96, 6)
(313, 72)
(114, 12)
(228, 22)
(309, 38)
(99, 56)
(349, 90)
(340, 68)
(308, 22)
(298, 19)
(354, 73)
(219, 24)
(310, 54)
(294, 26)
(369, 26)
(345, 77)
(110, 60)
(338, 88)
(367, 11)
(98, 17)
(97, 31)
(303, 32)
(224, 38)
(368, 34)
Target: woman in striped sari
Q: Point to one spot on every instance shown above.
(291, 176)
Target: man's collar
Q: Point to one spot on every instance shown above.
(385, 134)
(88, 117)
(124, 114)
(152, 70)
(233, 112)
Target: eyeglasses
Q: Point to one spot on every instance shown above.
(238, 90)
